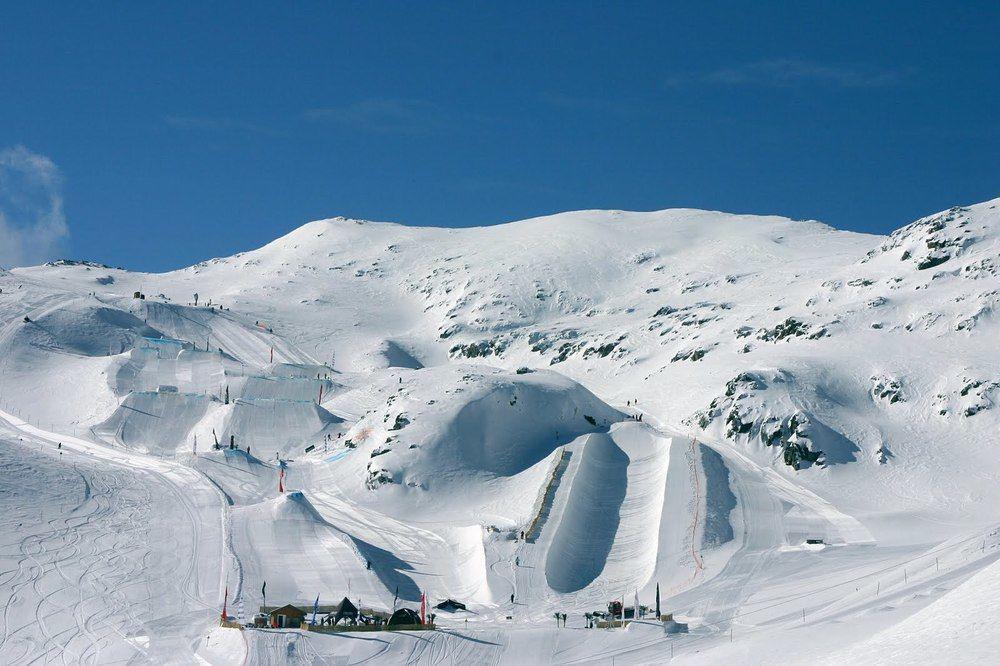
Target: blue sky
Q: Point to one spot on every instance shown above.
(160, 134)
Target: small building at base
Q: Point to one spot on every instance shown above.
(287, 616)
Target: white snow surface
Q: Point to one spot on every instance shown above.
(424, 396)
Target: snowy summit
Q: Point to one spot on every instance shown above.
(779, 436)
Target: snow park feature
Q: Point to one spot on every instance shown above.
(758, 440)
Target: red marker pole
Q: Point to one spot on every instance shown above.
(225, 601)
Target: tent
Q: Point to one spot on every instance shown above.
(450, 605)
(346, 610)
(404, 616)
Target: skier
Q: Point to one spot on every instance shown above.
(511, 597)
(60, 445)
(517, 561)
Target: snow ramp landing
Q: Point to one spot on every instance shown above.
(221, 329)
(272, 426)
(155, 422)
(286, 542)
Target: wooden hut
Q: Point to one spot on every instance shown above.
(287, 616)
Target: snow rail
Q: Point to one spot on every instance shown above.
(544, 502)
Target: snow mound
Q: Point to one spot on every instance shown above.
(294, 505)
(462, 439)
(444, 423)
(82, 326)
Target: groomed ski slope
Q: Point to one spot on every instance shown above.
(425, 396)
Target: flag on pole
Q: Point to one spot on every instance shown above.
(225, 602)
(657, 602)
(423, 607)
(395, 599)
(263, 592)
(635, 612)
(315, 609)
(281, 480)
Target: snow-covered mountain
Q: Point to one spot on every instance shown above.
(431, 394)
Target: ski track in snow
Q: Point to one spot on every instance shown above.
(119, 569)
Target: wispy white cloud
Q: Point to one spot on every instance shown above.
(209, 123)
(789, 72)
(32, 222)
(385, 116)
(586, 103)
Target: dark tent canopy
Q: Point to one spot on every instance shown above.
(404, 616)
(450, 605)
(346, 610)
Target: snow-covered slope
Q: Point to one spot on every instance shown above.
(432, 394)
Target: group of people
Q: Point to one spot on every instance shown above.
(233, 446)
(633, 403)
